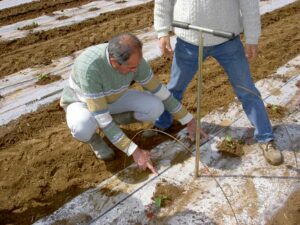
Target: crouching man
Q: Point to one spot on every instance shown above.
(98, 96)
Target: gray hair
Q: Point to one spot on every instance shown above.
(122, 46)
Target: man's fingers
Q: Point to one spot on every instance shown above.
(151, 168)
(205, 135)
(192, 136)
(169, 48)
(251, 51)
(166, 52)
(166, 49)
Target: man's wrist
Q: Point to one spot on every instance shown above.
(186, 119)
(131, 149)
(163, 34)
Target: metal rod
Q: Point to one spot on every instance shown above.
(219, 33)
(199, 94)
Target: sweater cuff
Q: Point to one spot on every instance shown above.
(186, 119)
(131, 148)
(162, 34)
(252, 40)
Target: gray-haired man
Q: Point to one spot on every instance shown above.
(98, 96)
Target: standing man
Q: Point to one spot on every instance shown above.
(232, 15)
(98, 96)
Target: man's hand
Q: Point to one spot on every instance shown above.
(191, 127)
(142, 158)
(165, 46)
(251, 51)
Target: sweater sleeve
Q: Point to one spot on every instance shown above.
(149, 82)
(251, 20)
(163, 15)
(98, 107)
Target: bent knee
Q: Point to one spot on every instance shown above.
(82, 134)
(81, 122)
(156, 110)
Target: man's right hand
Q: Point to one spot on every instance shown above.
(142, 158)
(165, 46)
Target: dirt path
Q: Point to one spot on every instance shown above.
(43, 167)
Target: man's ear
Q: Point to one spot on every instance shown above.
(113, 62)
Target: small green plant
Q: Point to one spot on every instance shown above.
(63, 17)
(274, 108)
(42, 76)
(159, 201)
(229, 141)
(120, 1)
(29, 27)
(93, 9)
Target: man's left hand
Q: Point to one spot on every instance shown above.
(191, 127)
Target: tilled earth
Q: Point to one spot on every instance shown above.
(42, 167)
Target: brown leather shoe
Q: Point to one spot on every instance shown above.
(271, 154)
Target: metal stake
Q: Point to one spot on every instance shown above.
(199, 94)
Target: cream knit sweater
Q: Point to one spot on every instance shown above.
(227, 15)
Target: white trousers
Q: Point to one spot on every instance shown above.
(83, 125)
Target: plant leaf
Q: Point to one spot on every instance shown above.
(158, 202)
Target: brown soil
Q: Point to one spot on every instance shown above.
(43, 166)
(289, 214)
(276, 111)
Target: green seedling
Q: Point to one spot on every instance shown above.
(93, 9)
(42, 76)
(159, 200)
(229, 141)
(274, 108)
(63, 17)
(29, 27)
(120, 1)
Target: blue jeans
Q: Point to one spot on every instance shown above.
(231, 56)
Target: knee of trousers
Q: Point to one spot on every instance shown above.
(249, 94)
(81, 123)
(250, 97)
(151, 111)
(82, 133)
(156, 110)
